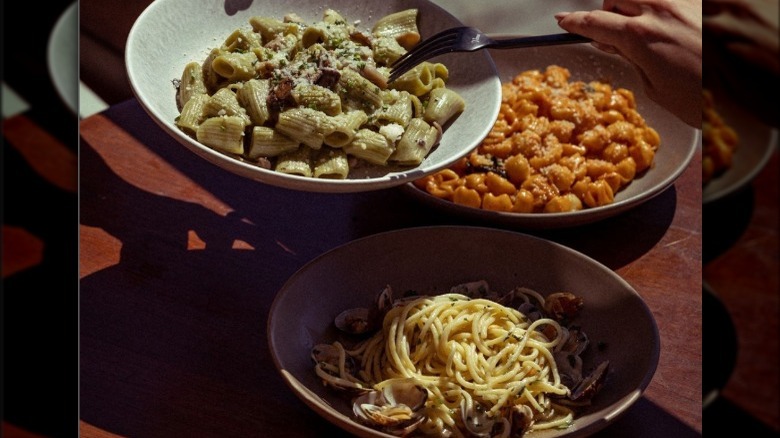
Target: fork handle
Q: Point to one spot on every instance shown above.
(538, 40)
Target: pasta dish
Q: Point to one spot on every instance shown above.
(719, 140)
(313, 99)
(558, 145)
(463, 363)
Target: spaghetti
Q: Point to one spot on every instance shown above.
(481, 362)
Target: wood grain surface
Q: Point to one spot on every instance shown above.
(180, 263)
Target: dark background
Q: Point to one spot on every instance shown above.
(40, 303)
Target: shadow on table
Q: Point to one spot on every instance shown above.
(39, 304)
(645, 418)
(179, 334)
(641, 228)
(725, 415)
(724, 221)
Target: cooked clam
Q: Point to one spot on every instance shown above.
(591, 384)
(354, 321)
(395, 408)
(513, 424)
(563, 306)
(361, 320)
(530, 311)
(569, 368)
(476, 420)
(515, 297)
(384, 301)
(521, 417)
(576, 340)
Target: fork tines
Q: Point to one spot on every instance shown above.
(439, 44)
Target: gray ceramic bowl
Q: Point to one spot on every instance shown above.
(171, 33)
(436, 258)
(678, 140)
(757, 143)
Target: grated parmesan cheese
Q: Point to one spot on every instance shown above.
(392, 131)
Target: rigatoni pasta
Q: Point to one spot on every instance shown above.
(331, 163)
(252, 96)
(443, 103)
(313, 99)
(225, 134)
(191, 83)
(268, 142)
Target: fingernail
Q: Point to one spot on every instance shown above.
(560, 15)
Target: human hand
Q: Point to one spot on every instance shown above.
(742, 53)
(661, 38)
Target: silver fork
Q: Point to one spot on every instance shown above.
(469, 39)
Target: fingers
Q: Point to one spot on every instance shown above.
(602, 27)
(765, 11)
(599, 26)
(623, 7)
(726, 27)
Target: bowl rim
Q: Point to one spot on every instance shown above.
(557, 220)
(712, 195)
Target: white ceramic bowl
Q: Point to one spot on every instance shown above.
(678, 140)
(435, 258)
(171, 33)
(62, 56)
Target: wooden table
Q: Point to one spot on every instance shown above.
(180, 262)
(741, 266)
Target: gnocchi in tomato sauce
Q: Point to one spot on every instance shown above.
(557, 145)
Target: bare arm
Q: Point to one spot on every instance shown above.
(661, 38)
